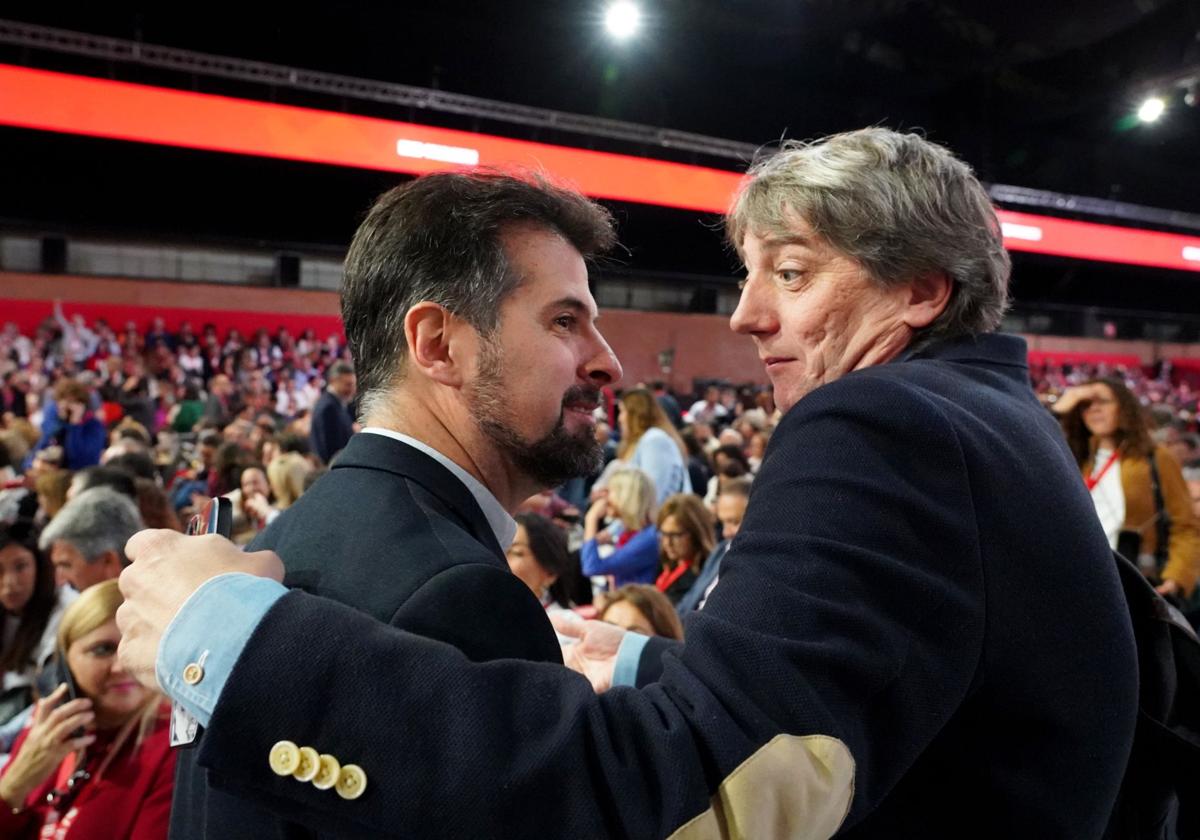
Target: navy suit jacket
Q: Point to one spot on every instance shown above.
(393, 534)
(919, 632)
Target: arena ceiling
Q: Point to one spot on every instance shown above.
(1032, 93)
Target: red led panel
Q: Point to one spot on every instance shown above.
(97, 107)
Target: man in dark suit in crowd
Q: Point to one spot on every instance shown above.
(332, 422)
(467, 309)
(918, 630)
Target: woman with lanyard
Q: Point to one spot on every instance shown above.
(1137, 487)
(686, 534)
(97, 764)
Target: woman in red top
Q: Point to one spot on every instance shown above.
(686, 533)
(98, 766)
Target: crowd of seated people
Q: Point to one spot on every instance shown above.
(104, 432)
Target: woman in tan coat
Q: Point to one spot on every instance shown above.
(1109, 435)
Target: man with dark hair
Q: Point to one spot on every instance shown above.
(468, 314)
(919, 630)
(332, 422)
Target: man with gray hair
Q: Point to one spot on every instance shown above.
(86, 539)
(918, 630)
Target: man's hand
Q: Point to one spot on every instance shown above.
(167, 568)
(595, 653)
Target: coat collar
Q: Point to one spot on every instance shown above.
(377, 452)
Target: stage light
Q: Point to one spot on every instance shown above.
(1151, 109)
(622, 19)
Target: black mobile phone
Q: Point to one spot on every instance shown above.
(216, 517)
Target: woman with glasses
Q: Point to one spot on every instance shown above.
(686, 534)
(95, 761)
(1137, 487)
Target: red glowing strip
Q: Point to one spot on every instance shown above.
(96, 107)
(1107, 243)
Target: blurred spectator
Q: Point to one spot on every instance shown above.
(731, 509)
(650, 443)
(332, 421)
(685, 534)
(668, 403)
(75, 426)
(30, 607)
(730, 462)
(539, 557)
(86, 541)
(189, 410)
(1107, 431)
(113, 782)
(286, 474)
(708, 409)
(254, 501)
(642, 609)
(51, 488)
(118, 479)
(628, 549)
(154, 506)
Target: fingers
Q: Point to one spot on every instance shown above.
(150, 543)
(568, 624)
(44, 706)
(61, 732)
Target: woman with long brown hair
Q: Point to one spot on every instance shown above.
(650, 443)
(1109, 435)
(686, 535)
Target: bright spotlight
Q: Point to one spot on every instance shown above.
(1151, 109)
(622, 19)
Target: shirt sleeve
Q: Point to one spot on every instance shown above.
(628, 655)
(211, 629)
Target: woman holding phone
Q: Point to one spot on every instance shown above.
(95, 760)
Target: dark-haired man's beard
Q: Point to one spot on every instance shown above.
(554, 458)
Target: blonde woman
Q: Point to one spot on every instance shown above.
(99, 765)
(286, 474)
(628, 548)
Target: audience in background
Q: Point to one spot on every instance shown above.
(642, 609)
(1137, 486)
(30, 608)
(627, 549)
(650, 443)
(540, 558)
(731, 508)
(115, 780)
(685, 534)
(86, 541)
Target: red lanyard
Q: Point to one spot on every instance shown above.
(669, 577)
(1093, 480)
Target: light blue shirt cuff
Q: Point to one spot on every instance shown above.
(211, 629)
(628, 655)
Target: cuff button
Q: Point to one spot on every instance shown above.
(193, 673)
(352, 782)
(284, 758)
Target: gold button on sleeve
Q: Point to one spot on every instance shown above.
(328, 770)
(352, 782)
(308, 765)
(193, 673)
(285, 757)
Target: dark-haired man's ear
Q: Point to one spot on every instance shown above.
(434, 337)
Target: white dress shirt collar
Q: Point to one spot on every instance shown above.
(503, 525)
